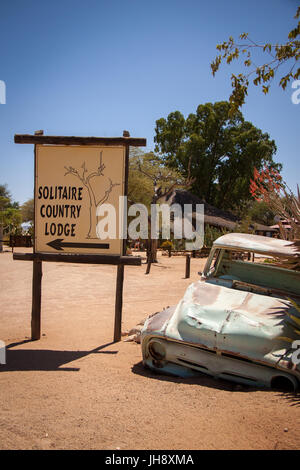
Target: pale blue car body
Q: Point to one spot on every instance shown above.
(239, 322)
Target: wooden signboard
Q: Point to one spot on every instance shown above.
(74, 178)
(72, 184)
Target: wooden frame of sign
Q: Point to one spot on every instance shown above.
(73, 251)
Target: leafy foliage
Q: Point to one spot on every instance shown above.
(151, 182)
(219, 151)
(267, 186)
(260, 212)
(10, 215)
(27, 211)
(246, 225)
(167, 245)
(264, 74)
(211, 234)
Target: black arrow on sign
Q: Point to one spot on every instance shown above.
(59, 244)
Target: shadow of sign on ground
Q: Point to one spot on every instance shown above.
(44, 359)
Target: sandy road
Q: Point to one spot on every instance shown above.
(75, 389)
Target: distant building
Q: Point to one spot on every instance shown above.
(286, 226)
(216, 217)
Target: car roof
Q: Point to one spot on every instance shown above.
(257, 244)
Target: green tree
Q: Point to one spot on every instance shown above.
(27, 212)
(10, 215)
(5, 194)
(260, 213)
(140, 188)
(211, 234)
(151, 182)
(262, 75)
(219, 150)
(269, 188)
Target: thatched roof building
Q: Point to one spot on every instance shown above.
(212, 215)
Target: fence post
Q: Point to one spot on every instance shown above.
(148, 266)
(187, 266)
(119, 303)
(36, 300)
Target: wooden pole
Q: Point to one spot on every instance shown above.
(79, 258)
(72, 140)
(36, 300)
(187, 266)
(120, 269)
(148, 266)
(119, 303)
(1, 237)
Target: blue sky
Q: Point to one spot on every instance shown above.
(95, 68)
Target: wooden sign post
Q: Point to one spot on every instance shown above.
(74, 178)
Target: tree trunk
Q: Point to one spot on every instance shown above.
(152, 251)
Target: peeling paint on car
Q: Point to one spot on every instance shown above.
(230, 327)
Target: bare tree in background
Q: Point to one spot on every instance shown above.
(267, 186)
(164, 182)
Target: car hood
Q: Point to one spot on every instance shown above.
(247, 324)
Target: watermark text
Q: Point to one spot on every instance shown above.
(2, 353)
(296, 94)
(2, 92)
(296, 354)
(162, 221)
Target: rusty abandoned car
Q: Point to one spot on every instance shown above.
(239, 322)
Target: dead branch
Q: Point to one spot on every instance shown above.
(159, 192)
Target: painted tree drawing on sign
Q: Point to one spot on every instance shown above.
(94, 201)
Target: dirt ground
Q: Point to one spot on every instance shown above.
(76, 389)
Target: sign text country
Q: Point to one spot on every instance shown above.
(60, 210)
